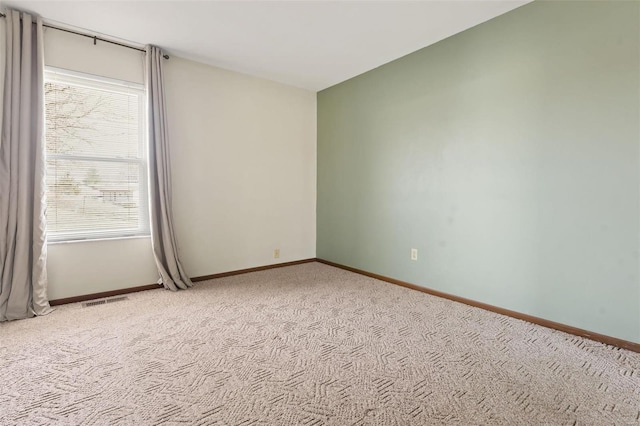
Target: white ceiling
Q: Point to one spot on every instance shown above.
(309, 44)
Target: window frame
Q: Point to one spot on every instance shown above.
(54, 74)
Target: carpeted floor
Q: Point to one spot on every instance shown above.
(305, 345)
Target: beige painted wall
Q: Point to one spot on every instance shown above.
(244, 168)
(244, 172)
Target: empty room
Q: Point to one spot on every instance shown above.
(318, 213)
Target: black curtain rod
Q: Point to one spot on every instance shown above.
(95, 38)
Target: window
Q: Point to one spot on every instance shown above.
(96, 157)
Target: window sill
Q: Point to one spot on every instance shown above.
(91, 240)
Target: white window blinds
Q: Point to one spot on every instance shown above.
(96, 157)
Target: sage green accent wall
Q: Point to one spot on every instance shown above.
(508, 155)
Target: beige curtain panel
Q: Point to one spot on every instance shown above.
(163, 239)
(23, 250)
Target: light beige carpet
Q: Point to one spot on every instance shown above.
(305, 345)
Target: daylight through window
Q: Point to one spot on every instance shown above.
(96, 157)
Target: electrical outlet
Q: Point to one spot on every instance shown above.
(414, 254)
(276, 254)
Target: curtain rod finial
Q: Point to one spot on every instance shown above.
(165, 56)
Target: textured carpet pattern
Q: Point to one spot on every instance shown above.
(305, 345)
